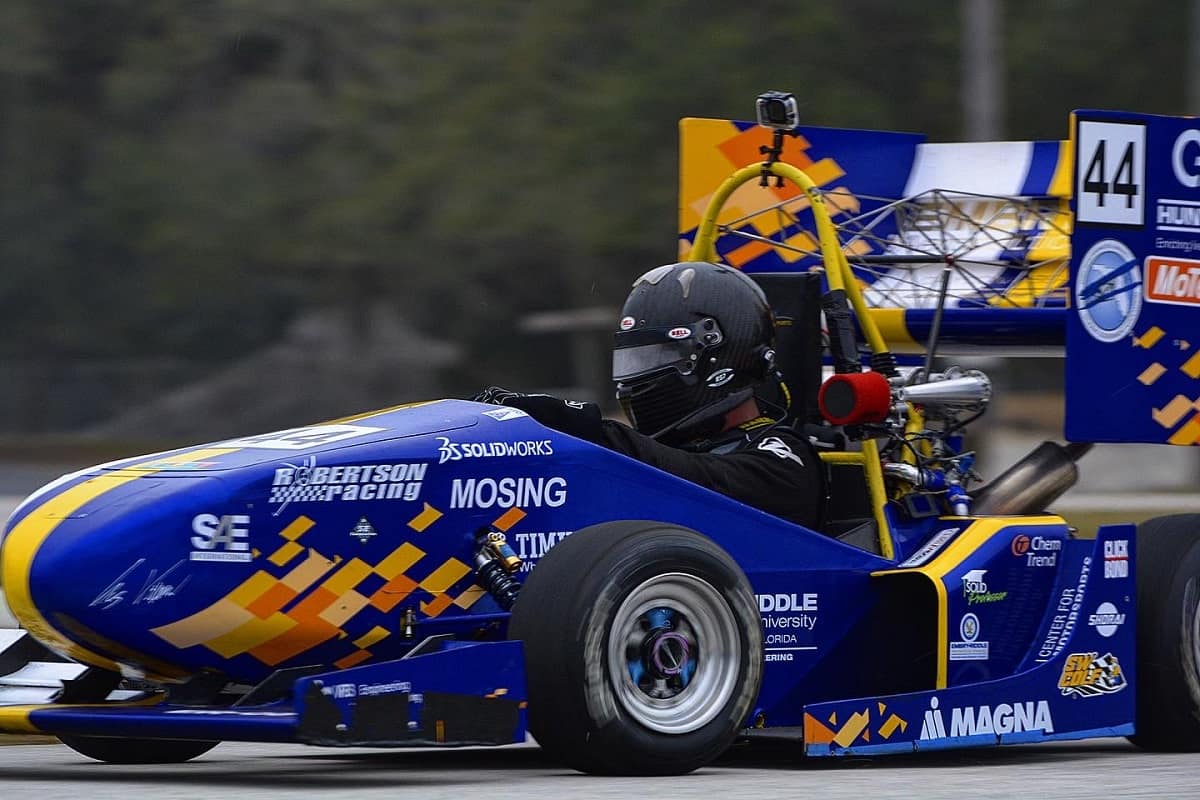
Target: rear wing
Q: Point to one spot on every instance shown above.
(1107, 283)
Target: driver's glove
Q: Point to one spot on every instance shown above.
(569, 416)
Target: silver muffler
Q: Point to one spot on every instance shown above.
(1034, 482)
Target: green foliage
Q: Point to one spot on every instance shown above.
(181, 178)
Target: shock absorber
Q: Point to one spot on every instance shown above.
(495, 562)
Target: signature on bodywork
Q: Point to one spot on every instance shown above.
(154, 587)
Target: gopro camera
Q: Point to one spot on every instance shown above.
(778, 110)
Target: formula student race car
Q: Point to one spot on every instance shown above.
(454, 573)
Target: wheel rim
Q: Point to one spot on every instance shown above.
(673, 653)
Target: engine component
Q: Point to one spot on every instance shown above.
(1034, 482)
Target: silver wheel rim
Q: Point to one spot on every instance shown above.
(673, 653)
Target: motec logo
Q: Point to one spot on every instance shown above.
(1173, 280)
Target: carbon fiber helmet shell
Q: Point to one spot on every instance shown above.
(693, 340)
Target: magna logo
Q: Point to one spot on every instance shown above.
(990, 720)
(1173, 280)
(221, 538)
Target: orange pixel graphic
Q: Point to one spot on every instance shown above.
(251, 618)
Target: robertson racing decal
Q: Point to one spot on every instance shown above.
(308, 483)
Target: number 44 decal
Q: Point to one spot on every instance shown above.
(1111, 160)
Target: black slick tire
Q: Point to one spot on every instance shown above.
(587, 615)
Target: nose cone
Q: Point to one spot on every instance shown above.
(91, 565)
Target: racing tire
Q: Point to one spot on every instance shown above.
(1168, 634)
(112, 750)
(643, 649)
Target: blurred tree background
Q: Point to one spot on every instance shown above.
(186, 185)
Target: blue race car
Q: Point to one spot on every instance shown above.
(454, 573)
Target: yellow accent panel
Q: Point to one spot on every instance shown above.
(250, 635)
(469, 597)
(1191, 367)
(345, 607)
(1169, 415)
(285, 554)
(15, 719)
(427, 517)
(951, 557)
(1038, 282)
(251, 589)
(852, 728)
(509, 518)
(296, 528)
(1188, 434)
(400, 560)
(158, 464)
(1060, 184)
(445, 576)
(218, 619)
(824, 171)
(21, 546)
(309, 571)
(890, 322)
(1054, 242)
(373, 636)
(1152, 373)
(1149, 338)
(348, 576)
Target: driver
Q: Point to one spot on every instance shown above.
(694, 343)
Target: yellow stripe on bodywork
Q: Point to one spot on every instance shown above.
(26, 538)
(967, 542)
(16, 719)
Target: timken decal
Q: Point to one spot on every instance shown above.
(1173, 280)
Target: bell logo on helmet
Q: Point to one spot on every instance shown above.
(627, 323)
(679, 333)
(719, 378)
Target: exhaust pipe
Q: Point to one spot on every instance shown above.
(1034, 482)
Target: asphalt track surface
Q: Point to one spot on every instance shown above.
(1096, 770)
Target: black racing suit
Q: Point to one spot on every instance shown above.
(761, 462)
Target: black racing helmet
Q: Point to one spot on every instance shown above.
(694, 341)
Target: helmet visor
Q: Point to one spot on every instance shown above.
(632, 362)
(640, 352)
